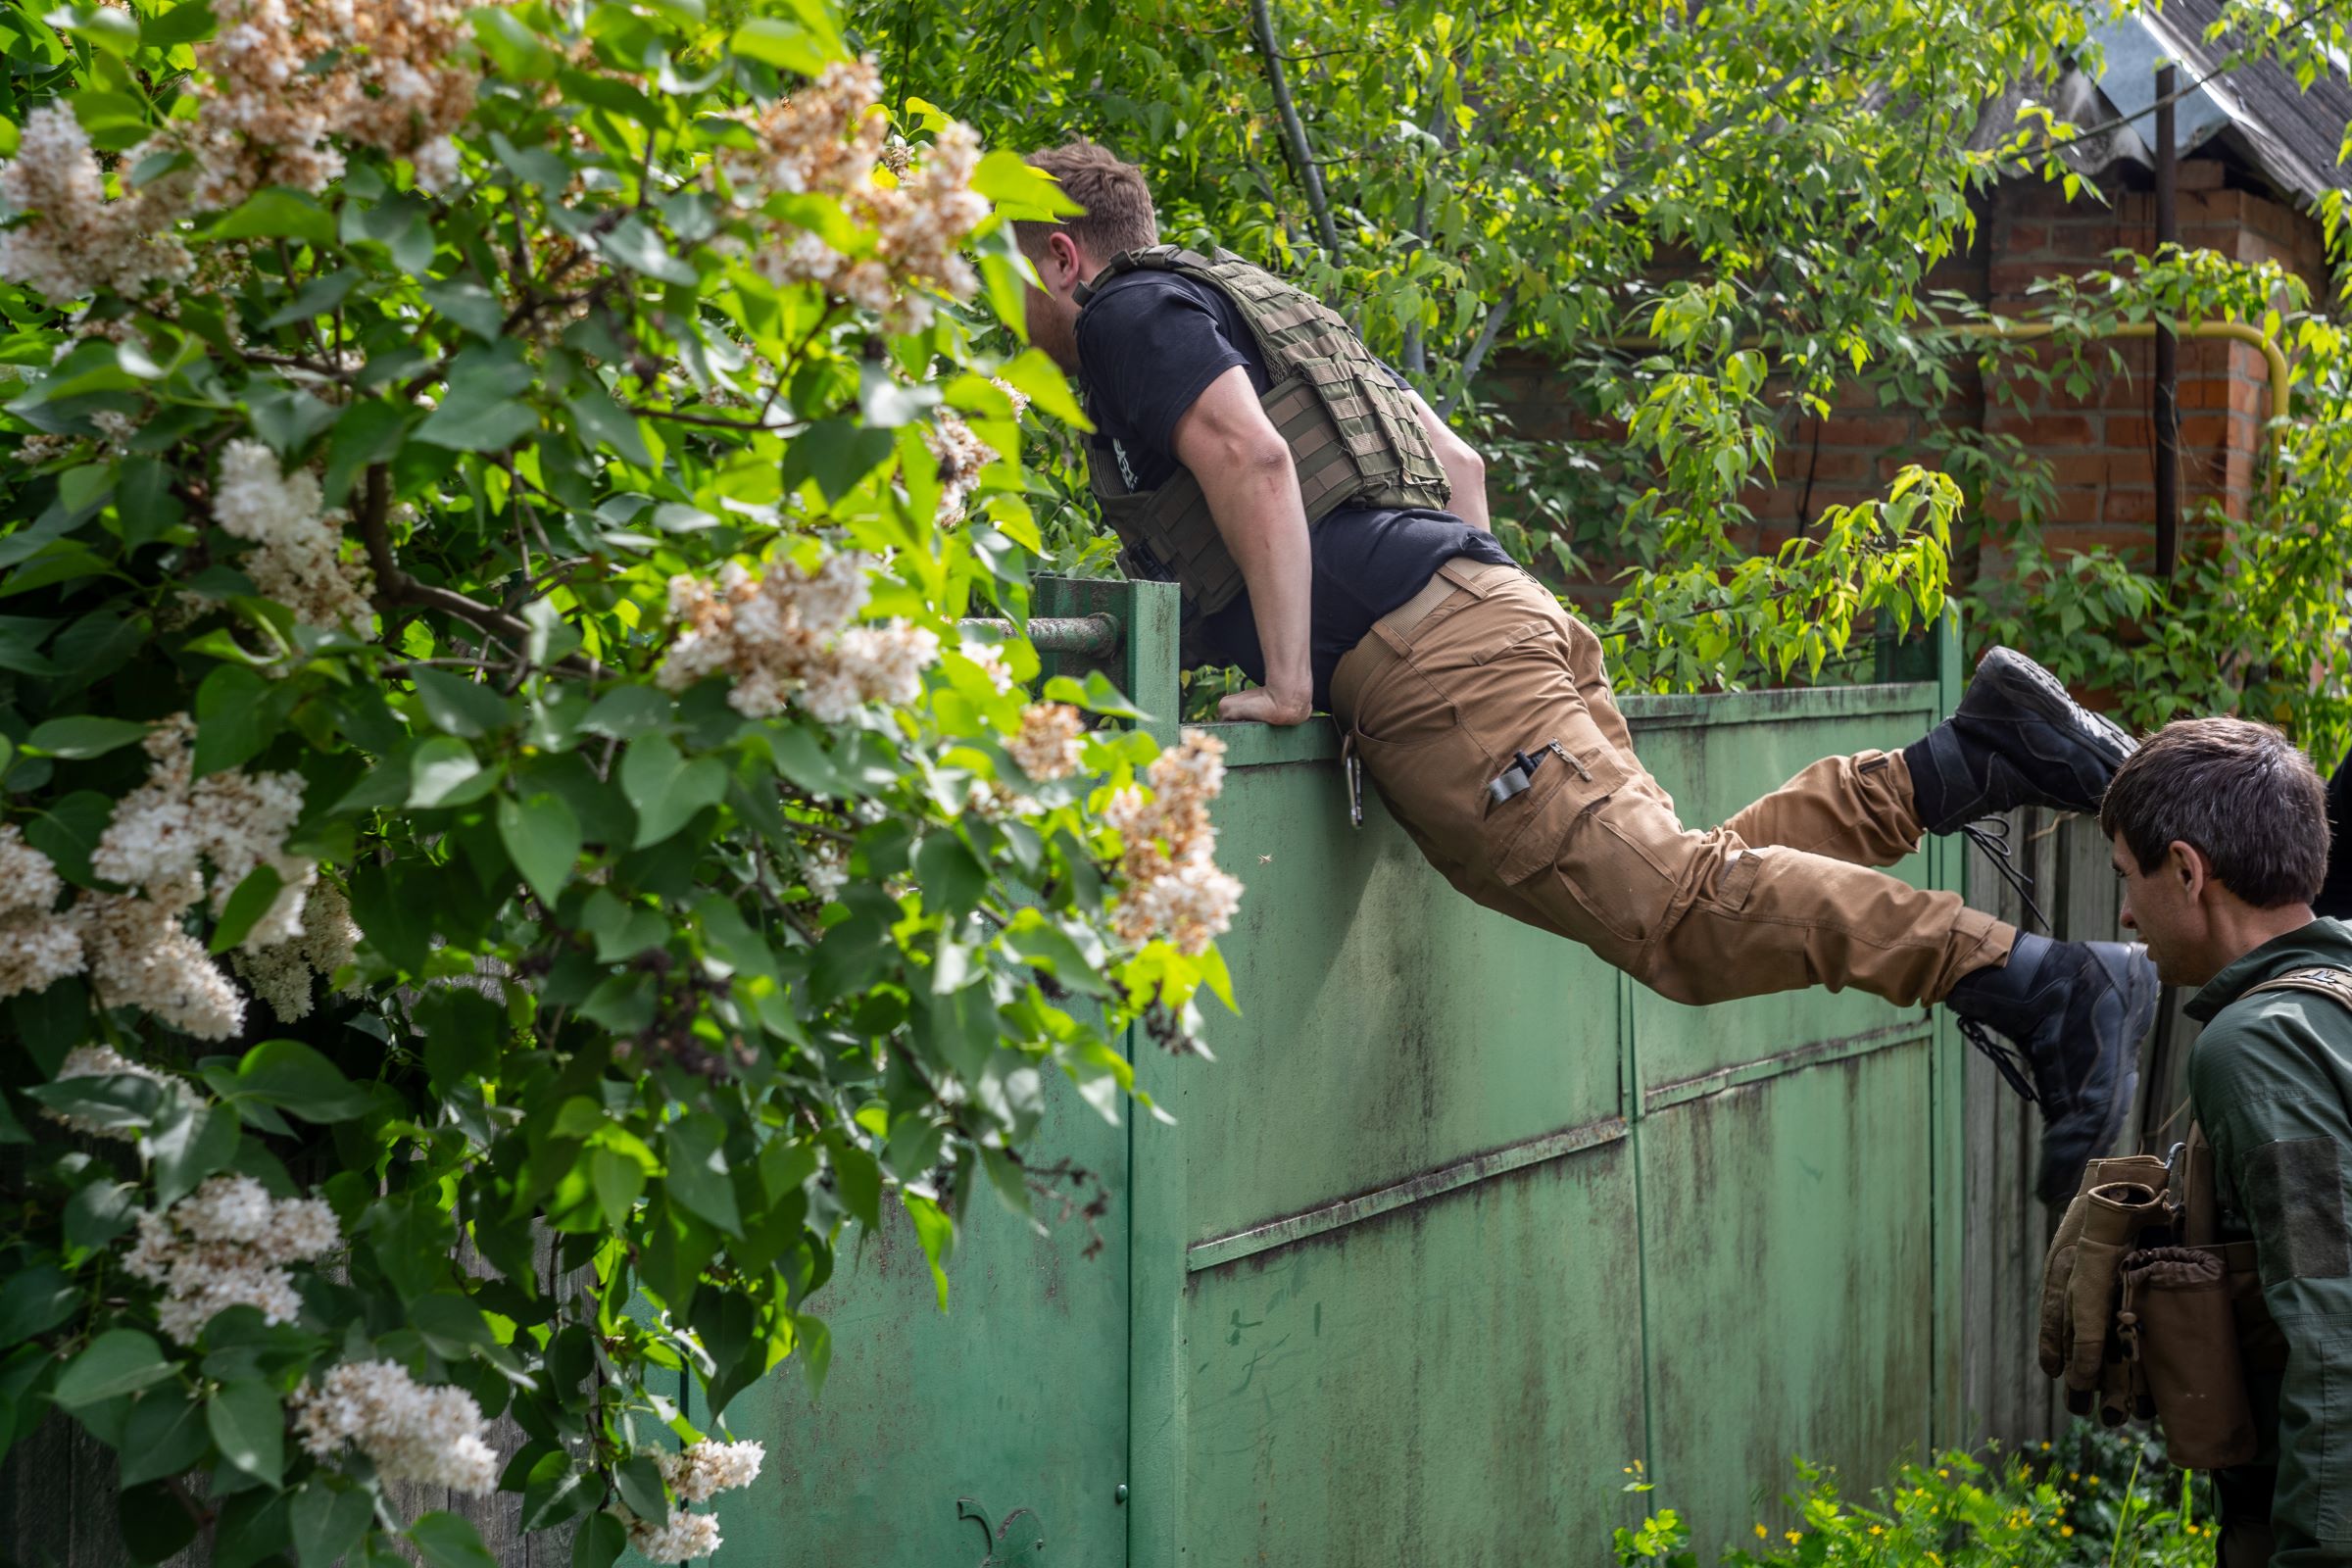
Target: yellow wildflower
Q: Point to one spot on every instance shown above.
(1763, 1534)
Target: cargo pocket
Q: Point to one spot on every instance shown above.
(1553, 844)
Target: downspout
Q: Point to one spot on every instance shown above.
(2165, 395)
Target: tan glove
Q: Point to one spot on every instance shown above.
(2113, 1217)
(2058, 1263)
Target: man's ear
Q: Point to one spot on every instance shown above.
(2185, 862)
(1061, 252)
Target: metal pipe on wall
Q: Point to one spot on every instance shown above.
(2165, 396)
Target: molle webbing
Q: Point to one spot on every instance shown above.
(1355, 437)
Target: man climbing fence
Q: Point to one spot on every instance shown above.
(1328, 535)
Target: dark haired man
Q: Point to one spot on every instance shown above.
(2219, 834)
(1329, 534)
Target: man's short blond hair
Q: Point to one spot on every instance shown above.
(1119, 214)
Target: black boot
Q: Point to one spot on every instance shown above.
(2017, 738)
(2076, 1012)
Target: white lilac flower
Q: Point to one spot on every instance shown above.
(298, 558)
(1170, 886)
(412, 1432)
(681, 1538)
(1051, 743)
(227, 1245)
(702, 1470)
(785, 637)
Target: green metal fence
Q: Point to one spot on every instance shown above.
(1459, 1226)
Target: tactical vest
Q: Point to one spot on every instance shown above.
(2146, 1311)
(1354, 436)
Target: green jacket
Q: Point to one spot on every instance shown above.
(2271, 1081)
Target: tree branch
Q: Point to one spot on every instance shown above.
(1487, 332)
(1309, 176)
(393, 586)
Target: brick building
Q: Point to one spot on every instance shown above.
(2254, 158)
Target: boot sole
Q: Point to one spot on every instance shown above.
(2030, 686)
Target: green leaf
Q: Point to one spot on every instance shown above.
(191, 1141)
(837, 455)
(288, 1075)
(392, 905)
(607, 423)
(453, 1327)
(665, 788)
(619, 1182)
(556, 1491)
(116, 1102)
(639, 1482)
(118, 1361)
(621, 930)
(468, 304)
(859, 1180)
(457, 706)
(543, 838)
(463, 1031)
(82, 737)
(113, 30)
(598, 1544)
(249, 1425)
(444, 771)
(627, 711)
(780, 43)
(248, 903)
(98, 1212)
(316, 298)
(69, 832)
(491, 427)
(328, 1521)
(278, 213)
(34, 1300)
(948, 875)
(517, 51)
(937, 1233)
(234, 718)
(634, 245)
(1046, 386)
(365, 434)
(450, 1542)
(695, 1173)
(165, 1435)
(116, 122)
(189, 22)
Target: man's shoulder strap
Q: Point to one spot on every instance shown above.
(2319, 979)
(1150, 258)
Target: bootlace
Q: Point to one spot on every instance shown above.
(2009, 1061)
(1993, 841)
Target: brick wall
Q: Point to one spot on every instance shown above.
(2100, 447)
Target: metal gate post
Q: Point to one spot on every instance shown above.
(1145, 667)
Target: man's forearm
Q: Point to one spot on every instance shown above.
(1264, 523)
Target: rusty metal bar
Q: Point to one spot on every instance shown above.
(1094, 635)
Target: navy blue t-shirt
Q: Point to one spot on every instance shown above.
(1148, 344)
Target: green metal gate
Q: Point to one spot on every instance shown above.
(1459, 1225)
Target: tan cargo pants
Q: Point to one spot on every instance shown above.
(1485, 662)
